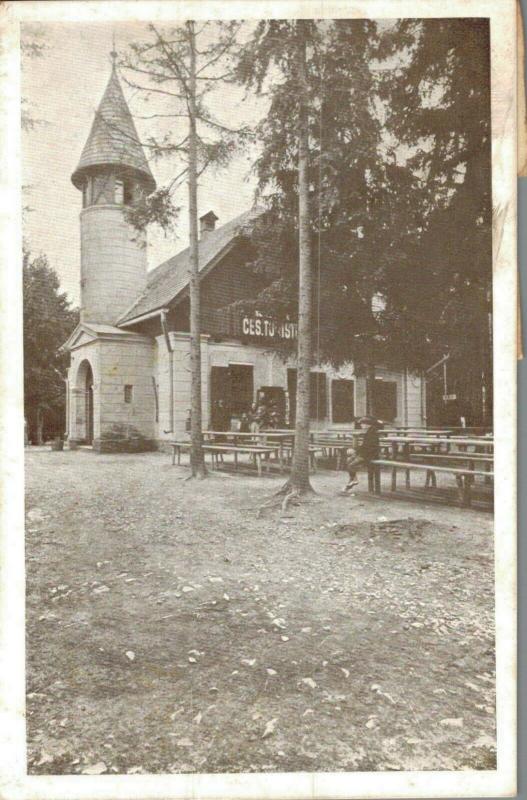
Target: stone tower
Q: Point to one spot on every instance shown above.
(112, 173)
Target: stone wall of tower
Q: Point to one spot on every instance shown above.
(113, 264)
(124, 405)
(127, 416)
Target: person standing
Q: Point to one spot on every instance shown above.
(245, 426)
(253, 419)
(221, 418)
(259, 417)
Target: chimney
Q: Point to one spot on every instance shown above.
(207, 223)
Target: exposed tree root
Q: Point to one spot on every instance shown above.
(289, 487)
(199, 475)
(293, 497)
(286, 496)
(274, 503)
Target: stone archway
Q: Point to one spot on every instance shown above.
(84, 404)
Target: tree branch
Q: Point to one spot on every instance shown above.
(173, 61)
(160, 116)
(216, 77)
(162, 78)
(151, 89)
(221, 52)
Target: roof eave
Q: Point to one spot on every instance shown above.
(142, 317)
(81, 172)
(184, 289)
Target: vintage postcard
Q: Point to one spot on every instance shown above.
(259, 399)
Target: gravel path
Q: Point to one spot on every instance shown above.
(171, 630)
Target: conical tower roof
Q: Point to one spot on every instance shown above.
(113, 139)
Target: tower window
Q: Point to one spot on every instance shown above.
(123, 192)
(128, 194)
(128, 393)
(119, 192)
(85, 187)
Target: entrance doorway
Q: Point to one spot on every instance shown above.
(84, 415)
(231, 393)
(385, 400)
(89, 406)
(242, 388)
(220, 398)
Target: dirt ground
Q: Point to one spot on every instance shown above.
(171, 630)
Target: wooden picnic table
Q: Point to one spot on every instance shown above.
(350, 439)
(220, 448)
(288, 448)
(336, 447)
(439, 440)
(248, 434)
(464, 477)
(245, 435)
(408, 445)
(417, 432)
(279, 431)
(262, 437)
(483, 457)
(283, 437)
(441, 459)
(338, 434)
(483, 436)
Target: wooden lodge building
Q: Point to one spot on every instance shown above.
(129, 377)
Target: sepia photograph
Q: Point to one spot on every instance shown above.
(259, 369)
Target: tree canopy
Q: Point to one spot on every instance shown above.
(48, 321)
(400, 186)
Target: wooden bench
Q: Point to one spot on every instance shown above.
(470, 459)
(314, 449)
(335, 447)
(257, 451)
(464, 477)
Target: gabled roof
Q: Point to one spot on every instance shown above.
(87, 332)
(113, 139)
(171, 277)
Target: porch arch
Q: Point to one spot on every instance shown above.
(84, 402)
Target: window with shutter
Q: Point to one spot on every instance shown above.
(385, 400)
(318, 396)
(342, 400)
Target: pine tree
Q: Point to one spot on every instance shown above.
(441, 116)
(400, 201)
(48, 321)
(184, 65)
(282, 46)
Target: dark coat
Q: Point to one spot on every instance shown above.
(369, 449)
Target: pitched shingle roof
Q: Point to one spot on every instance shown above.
(113, 138)
(167, 280)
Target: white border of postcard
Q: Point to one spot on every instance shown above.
(14, 781)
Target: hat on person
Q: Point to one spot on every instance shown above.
(367, 420)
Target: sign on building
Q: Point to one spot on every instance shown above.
(264, 328)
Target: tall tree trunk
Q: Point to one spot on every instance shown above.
(40, 426)
(370, 386)
(197, 462)
(299, 480)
